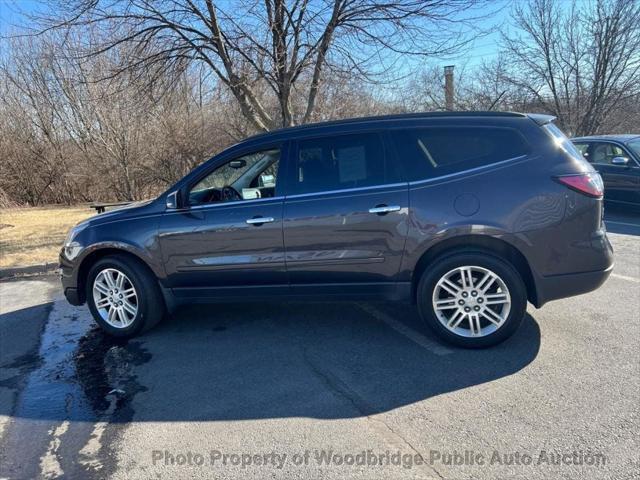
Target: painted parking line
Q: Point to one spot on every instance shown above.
(407, 332)
(624, 277)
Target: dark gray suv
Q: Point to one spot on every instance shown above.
(470, 215)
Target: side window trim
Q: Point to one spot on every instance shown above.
(445, 177)
(347, 190)
(235, 203)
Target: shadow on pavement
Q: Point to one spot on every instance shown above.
(236, 362)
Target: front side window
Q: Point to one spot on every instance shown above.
(603, 153)
(342, 162)
(435, 151)
(244, 178)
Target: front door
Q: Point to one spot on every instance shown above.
(228, 239)
(345, 217)
(621, 182)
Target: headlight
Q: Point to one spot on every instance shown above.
(71, 247)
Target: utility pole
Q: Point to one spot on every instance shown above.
(448, 87)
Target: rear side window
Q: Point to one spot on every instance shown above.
(562, 141)
(435, 151)
(342, 162)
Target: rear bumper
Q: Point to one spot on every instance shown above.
(570, 261)
(562, 286)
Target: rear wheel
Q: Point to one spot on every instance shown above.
(472, 299)
(123, 296)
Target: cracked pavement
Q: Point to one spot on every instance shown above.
(268, 390)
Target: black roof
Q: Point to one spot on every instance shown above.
(381, 118)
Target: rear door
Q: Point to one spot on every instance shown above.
(345, 216)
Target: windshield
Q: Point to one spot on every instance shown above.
(634, 146)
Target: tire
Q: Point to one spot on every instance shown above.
(478, 313)
(135, 313)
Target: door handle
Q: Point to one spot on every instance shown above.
(384, 209)
(259, 220)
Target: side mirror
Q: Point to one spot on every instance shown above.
(173, 200)
(622, 161)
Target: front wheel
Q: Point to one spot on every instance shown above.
(124, 298)
(472, 300)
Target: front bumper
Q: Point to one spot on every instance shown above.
(69, 278)
(72, 296)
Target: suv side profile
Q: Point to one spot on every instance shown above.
(469, 215)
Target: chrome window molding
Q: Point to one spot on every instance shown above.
(235, 202)
(470, 170)
(347, 190)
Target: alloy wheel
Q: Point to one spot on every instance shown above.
(115, 298)
(471, 301)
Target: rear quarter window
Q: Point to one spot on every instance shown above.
(436, 151)
(561, 140)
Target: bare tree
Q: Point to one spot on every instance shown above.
(576, 62)
(69, 135)
(286, 47)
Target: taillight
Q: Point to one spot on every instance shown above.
(589, 184)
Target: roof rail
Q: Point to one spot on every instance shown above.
(399, 116)
(541, 118)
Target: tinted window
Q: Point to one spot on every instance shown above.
(341, 162)
(429, 152)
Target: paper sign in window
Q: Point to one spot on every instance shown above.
(352, 163)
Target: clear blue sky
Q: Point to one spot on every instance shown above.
(10, 11)
(482, 49)
(486, 48)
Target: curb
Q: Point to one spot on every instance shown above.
(28, 270)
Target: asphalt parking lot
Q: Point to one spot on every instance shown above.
(333, 390)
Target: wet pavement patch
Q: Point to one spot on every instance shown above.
(103, 368)
(76, 379)
(77, 373)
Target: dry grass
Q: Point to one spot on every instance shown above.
(30, 236)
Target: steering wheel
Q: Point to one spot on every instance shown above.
(229, 193)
